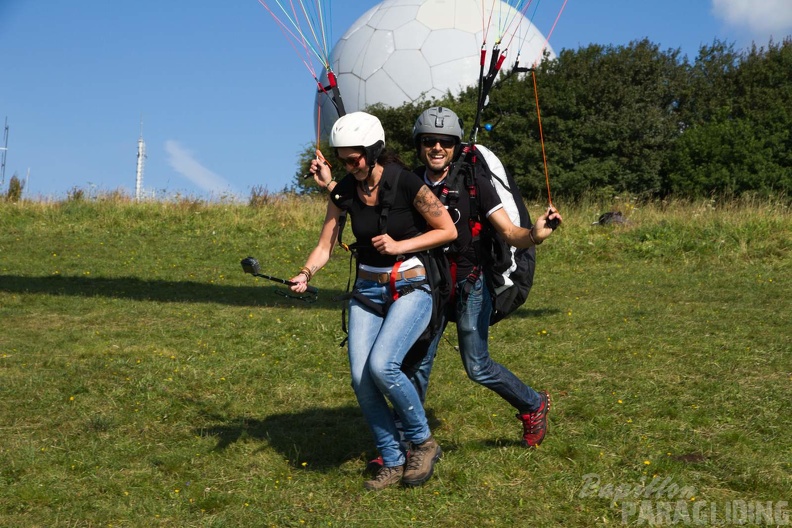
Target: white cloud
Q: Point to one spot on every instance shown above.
(761, 18)
(183, 162)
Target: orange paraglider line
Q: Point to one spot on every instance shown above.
(319, 154)
(318, 126)
(541, 139)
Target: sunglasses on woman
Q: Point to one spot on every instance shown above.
(350, 161)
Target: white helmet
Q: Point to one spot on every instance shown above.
(359, 130)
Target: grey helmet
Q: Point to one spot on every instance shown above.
(438, 120)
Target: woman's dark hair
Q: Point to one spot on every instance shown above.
(388, 156)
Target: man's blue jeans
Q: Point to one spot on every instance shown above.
(473, 317)
(377, 347)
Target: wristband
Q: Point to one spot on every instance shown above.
(530, 235)
(307, 272)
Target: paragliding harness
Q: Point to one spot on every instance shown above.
(508, 271)
(437, 283)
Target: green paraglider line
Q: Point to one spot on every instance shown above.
(298, 23)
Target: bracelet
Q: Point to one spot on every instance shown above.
(530, 235)
(307, 272)
(327, 187)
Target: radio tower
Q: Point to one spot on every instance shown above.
(4, 150)
(141, 162)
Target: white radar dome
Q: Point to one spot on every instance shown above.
(403, 51)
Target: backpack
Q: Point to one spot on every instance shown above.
(508, 271)
(438, 274)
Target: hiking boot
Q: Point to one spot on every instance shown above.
(386, 476)
(374, 465)
(535, 423)
(420, 464)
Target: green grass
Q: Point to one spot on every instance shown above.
(146, 381)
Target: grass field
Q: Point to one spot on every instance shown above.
(146, 381)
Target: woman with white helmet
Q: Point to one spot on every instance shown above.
(387, 262)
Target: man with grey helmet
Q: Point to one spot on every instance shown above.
(438, 137)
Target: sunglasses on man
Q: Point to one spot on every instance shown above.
(431, 141)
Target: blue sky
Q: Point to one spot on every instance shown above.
(225, 101)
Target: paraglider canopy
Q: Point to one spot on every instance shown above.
(406, 51)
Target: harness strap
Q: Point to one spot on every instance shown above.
(341, 223)
(346, 296)
(393, 276)
(453, 266)
(474, 275)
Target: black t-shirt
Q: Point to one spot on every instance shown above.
(462, 251)
(404, 220)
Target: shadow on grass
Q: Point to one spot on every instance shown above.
(530, 313)
(269, 294)
(317, 439)
(160, 290)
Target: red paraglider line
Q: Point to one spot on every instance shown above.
(486, 27)
(521, 12)
(292, 38)
(288, 33)
(547, 39)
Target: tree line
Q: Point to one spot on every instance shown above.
(630, 119)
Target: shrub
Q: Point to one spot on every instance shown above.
(15, 186)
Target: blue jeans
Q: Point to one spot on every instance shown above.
(377, 347)
(473, 317)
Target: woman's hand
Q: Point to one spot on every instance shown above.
(321, 173)
(300, 283)
(386, 245)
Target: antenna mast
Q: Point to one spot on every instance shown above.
(141, 161)
(4, 150)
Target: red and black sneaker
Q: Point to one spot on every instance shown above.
(535, 423)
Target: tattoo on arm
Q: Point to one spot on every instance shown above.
(427, 203)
